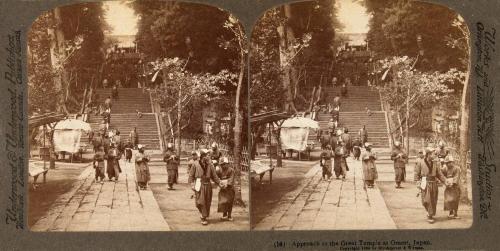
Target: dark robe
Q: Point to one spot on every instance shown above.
(215, 157)
(99, 157)
(452, 193)
(340, 163)
(128, 150)
(399, 164)
(113, 169)
(363, 135)
(356, 148)
(226, 195)
(203, 198)
(346, 138)
(326, 163)
(369, 168)
(173, 162)
(142, 173)
(424, 168)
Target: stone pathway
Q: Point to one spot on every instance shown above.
(178, 208)
(112, 206)
(336, 204)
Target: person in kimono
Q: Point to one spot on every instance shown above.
(340, 163)
(118, 142)
(399, 156)
(194, 158)
(107, 103)
(452, 190)
(128, 150)
(346, 138)
(114, 91)
(98, 164)
(113, 168)
(215, 155)
(335, 113)
(331, 126)
(441, 152)
(134, 137)
(226, 192)
(326, 163)
(324, 140)
(343, 90)
(363, 135)
(173, 161)
(369, 168)
(356, 148)
(142, 173)
(426, 176)
(202, 172)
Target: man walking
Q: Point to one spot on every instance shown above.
(400, 158)
(201, 173)
(326, 163)
(426, 176)
(226, 192)
(452, 190)
(369, 168)
(142, 173)
(173, 162)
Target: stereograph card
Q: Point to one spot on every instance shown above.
(242, 125)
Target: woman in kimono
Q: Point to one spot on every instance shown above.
(113, 169)
(426, 176)
(340, 163)
(369, 168)
(226, 192)
(99, 157)
(201, 173)
(356, 148)
(141, 168)
(326, 162)
(128, 150)
(452, 191)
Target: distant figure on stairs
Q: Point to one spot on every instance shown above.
(114, 92)
(334, 82)
(363, 134)
(368, 111)
(105, 83)
(134, 137)
(138, 113)
(343, 89)
(325, 139)
(107, 103)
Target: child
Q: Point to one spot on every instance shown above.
(99, 157)
(326, 163)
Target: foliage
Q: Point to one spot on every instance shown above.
(423, 90)
(83, 28)
(313, 25)
(399, 23)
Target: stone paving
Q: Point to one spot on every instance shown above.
(326, 205)
(178, 208)
(112, 206)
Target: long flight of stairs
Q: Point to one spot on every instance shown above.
(124, 116)
(353, 113)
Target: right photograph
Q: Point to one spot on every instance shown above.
(359, 113)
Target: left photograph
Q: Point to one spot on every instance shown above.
(137, 118)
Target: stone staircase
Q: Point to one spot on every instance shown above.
(353, 114)
(124, 117)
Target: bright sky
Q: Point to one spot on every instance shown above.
(121, 18)
(353, 15)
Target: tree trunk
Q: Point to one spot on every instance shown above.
(407, 121)
(464, 139)
(57, 50)
(179, 115)
(286, 37)
(238, 125)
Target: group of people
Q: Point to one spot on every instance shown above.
(204, 167)
(435, 166)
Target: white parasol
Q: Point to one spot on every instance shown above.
(73, 124)
(300, 122)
